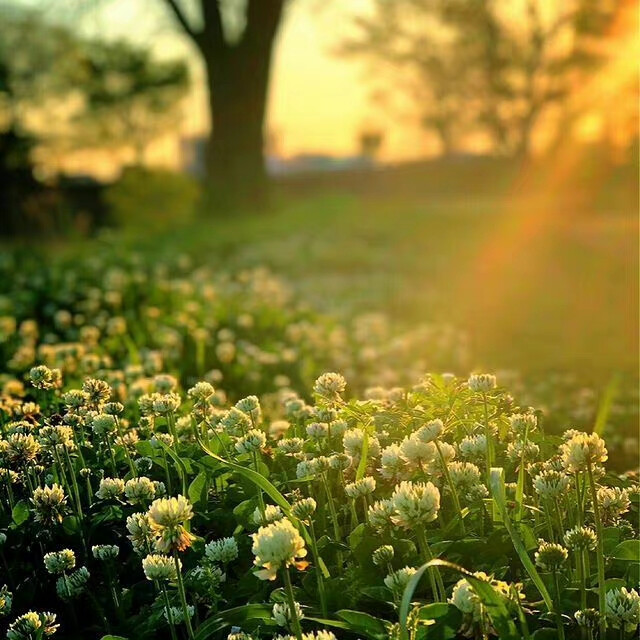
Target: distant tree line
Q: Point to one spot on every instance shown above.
(61, 93)
(488, 70)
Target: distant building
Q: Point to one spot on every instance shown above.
(193, 153)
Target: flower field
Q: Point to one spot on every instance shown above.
(192, 453)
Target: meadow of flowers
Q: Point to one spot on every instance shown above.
(177, 463)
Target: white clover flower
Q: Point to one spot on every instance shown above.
(165, 403)
(49, 504)
(304, 469)
(464, 475)
(338, 427)
(105, 552)
(516, 449)
(330, 386)
(303, 509)
(380, 514)
(415, 503)
(282, 616)
(583, 450)
(159, 567)
(551, 484)
(580, 538)
(340, 461)
(398, 580)
(464, 598)
(623, 608)
(272, 513)
(473, 446)
(235, 422)
(383, 555)
(363, 487)
(353, 440)
(110, 489)
(59, 561)
(430, 431)
(201, 393)
(103, 423)
(318, 465)
(164, 438)
(251, 406)
(278, 428)
(416, 452)
(32, 625)
(177, 613)
(289, 446)
(73, 585)
(522, 423)
(482, 382)
(139, 489)
(141, 534)
(166, 518)
(224, 550)
(550, 556)
(252, 442)
(392, 466)
(275, 546)
(169, 512)
(613, 501)
(448, 452)
(587, 618)
(317, 430)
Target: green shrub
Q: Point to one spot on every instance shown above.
(153, 199)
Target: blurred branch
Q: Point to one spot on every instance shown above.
(182, 19)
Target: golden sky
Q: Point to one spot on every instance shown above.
(319, 101)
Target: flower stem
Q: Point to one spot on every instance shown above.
(334, 519)
(437, 586)
(167, 606)
(452, 487)
(183, 597)
(295, 623)
(557, 607)
(319, 576)
(581, 578)
(487, 432)
(599, 553)
(260, 497)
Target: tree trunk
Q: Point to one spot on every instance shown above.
(238, 81)
(235, 168)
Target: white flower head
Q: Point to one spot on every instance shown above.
(277, 545)
(415, 503)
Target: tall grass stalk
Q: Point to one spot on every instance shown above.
(602, 602)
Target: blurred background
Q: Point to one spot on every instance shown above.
(471, 162)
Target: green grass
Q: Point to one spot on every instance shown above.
(536, 289)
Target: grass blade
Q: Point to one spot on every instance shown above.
(604, 407)
(492, 601)
(499, 498)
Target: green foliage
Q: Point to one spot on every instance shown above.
(152, 199)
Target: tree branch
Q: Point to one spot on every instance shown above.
(182, 19)
(213, 33)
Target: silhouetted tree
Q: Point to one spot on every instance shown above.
(487, 67)
(130, 97)
(237, 63)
